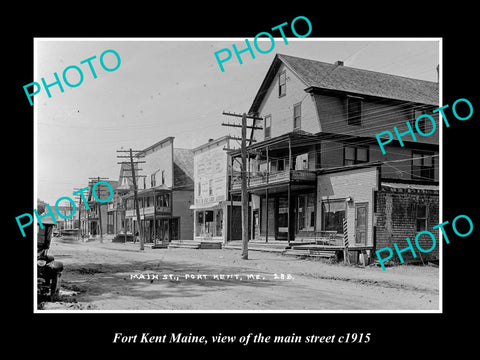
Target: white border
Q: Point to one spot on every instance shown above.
(333, 39)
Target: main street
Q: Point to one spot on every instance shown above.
(117, 276)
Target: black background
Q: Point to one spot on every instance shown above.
(88, 334)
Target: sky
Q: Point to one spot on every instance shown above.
(169, 87)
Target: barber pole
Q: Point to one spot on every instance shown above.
(345, 242)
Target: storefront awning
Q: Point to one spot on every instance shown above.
(206, 206)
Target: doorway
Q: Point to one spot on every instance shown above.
(361, 220)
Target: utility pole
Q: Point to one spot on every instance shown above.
(243, 171)
(99, 204)
(79, 213)
(135, 190)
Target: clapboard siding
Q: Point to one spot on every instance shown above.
(281, 108)
(358, 184)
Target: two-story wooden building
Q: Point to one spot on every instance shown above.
(217, 216)
(165, 192)
(317, 162)
(97, 215)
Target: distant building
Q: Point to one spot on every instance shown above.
(97, 216)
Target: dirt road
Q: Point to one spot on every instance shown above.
(112, 276)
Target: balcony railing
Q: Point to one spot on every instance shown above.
(263, 179)
(148, 211)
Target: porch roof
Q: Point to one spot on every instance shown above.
(300, 138)
(409, 186)
(295, 138)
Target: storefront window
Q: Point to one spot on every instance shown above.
(333, 214)
(209, 223)
(282, 214)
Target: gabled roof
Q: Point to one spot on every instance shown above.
(318, 75)
(125, 171)
(211, 142)
(101, 190)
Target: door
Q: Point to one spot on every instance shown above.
(361, 220)
(165, 230)
(175, 229)
(256, 224)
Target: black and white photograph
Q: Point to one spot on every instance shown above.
(195, 179)
(176, 180)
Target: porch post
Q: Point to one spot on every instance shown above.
(266, 215)
(288, 215)
(230, 211)
(289, 190)
(268, 168)
(289, 154)
(154, 218)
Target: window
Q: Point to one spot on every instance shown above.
(282, 84)
(268, 126)
(277, 165)
(153, 180)
(306, 212)
(333, 212)
(354, 116)
(163, 200)
(210, 187)
(354, 155)
(282, 217)
(199, 189)
(422, 166)
(297, 116)
(421, 217)
(163, 177)
(301, 162)
(209, 216)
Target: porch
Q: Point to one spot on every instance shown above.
(263, 179)
(281, 183)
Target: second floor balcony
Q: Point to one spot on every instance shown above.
(265, 179)
(149, 211)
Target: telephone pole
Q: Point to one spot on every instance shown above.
(93, 181)
(135, 190)
(243, 171)
(79, 198)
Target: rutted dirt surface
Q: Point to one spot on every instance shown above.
(112, 276)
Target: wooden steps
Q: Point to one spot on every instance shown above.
(195, 244)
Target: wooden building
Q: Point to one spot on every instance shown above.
(165, 193)
(216, 215)
(319, 125)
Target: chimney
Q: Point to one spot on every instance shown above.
(338, 63)
(210, 140)
(438, 73)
